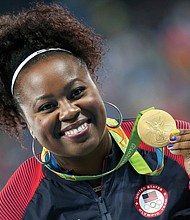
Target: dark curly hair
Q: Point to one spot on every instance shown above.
(41, 26)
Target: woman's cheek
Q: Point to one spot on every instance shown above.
(41, 127)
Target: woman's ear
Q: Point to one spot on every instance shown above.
(23, 122)
(26, 124)
(31, 131)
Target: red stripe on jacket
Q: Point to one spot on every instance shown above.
(20, 189)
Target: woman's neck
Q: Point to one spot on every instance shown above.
(90, 164)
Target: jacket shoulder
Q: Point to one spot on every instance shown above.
(128, 123)
(20, 189)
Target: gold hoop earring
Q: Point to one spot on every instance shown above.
(120, 115)
(34, 153)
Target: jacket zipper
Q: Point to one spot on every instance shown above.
(103, 209)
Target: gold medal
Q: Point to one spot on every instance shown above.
(154, 127)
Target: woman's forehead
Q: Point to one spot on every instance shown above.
(50, 72)
(54, 65)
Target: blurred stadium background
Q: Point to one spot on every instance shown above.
(147, 63)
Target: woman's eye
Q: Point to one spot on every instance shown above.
(47, 107)
(77, 92)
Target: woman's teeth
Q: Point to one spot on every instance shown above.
(77, 130)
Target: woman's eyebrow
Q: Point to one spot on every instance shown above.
(42, 97)
(47, 96)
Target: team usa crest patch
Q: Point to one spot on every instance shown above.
(151, 200)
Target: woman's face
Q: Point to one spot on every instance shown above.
(62, 106)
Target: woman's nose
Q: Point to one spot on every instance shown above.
(68, 111)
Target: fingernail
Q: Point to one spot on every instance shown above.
(173, 138)
(175, 132)
(170, 145)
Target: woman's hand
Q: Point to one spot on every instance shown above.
(180, 145)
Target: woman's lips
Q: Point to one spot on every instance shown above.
(75, 129)
(74, 132)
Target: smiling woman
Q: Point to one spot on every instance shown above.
(90, 167)
(62, 107)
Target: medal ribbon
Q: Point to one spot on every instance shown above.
(129, 148)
